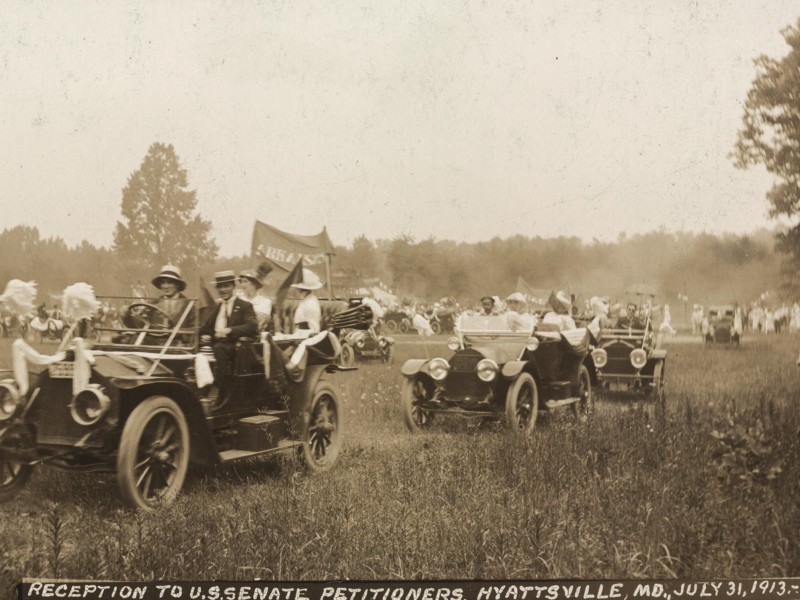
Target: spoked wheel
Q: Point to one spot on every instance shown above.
(391, 326)
(388, 355)
(584, 407)
(347, 357)
(405, 325)
(14, 475)
(153, 454)
(322, 429)
(436, 327)
(415, 393)
(522, 402)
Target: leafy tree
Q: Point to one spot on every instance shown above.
(159, 224)
(770, 135)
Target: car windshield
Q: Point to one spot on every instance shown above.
(475, 325)
(148, 324)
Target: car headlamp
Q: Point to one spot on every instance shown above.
(89, 405)
(638, 358)
(360, 343)
(600, 357)
(438, 368)
(487, 369)
(532, 344)
(9, 400)
(382, 342)
(453, 344)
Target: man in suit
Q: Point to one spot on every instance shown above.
(232, 318)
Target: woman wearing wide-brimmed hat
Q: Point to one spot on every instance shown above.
(250, 281)
(308, 314)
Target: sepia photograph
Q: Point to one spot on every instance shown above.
(400, 292)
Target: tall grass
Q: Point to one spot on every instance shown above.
(711, 493)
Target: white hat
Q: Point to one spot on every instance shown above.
(516, 297)
(311, 281)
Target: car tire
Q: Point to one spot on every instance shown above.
(322, 429)
(154, 448)
(391, 326)
(14, 475)
(405, 326)
(388, 355)
(522, 402)
(584, 407)
(347, 357)
(436, 327)
(415, 418)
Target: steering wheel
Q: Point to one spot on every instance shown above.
(147, 323)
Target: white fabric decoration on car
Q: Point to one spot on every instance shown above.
(22, 354)
(422, 325)
(19, 296)
(202, 371)
(84, 359)
(79, 302)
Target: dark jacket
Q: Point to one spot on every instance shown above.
(242, 320)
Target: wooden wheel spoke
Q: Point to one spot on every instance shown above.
(145, 472)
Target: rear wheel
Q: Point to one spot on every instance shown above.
(585, 405)
(14, 475)
(522, 404)
(405, 326)
(436, 327)
(391, 326)
(413, 395)
(322, 429)
(153, 454)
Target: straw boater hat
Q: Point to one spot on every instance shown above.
(221, 277)
(252, 275)
(171, 273)
(311, 281)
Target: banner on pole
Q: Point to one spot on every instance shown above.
(286, 249)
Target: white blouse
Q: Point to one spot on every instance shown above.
(308, 311)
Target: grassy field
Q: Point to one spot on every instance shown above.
(714, 493)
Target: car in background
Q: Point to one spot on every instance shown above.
(499, 373)
(721, 326)
(628, 357)
(139, 403)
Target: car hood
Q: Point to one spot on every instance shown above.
(500, 352)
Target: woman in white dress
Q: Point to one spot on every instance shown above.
(308, 314)
(249, 284)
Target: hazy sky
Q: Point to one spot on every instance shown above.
(461, 120)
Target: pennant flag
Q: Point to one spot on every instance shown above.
(295, 276)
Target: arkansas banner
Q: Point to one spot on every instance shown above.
(286, 249)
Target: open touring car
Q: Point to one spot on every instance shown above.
(499, 373)
(629, 359)
(139, 403)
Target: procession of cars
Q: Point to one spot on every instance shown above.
(141, 405)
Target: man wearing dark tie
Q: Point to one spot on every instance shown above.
(232, 319)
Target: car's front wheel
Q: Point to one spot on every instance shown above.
(347, 357)
(14, 475)
(413, 395)
(322, 429)
(522, 402)
(153, 454)
(585, 405)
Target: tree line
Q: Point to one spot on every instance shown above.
(708, 268)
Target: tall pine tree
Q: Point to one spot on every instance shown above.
(159, 224)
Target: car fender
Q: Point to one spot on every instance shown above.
(413, 366)
(658, 354)
(202, 448)
(513, 368)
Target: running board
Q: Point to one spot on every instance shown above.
(559, 403)
(229, 455)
